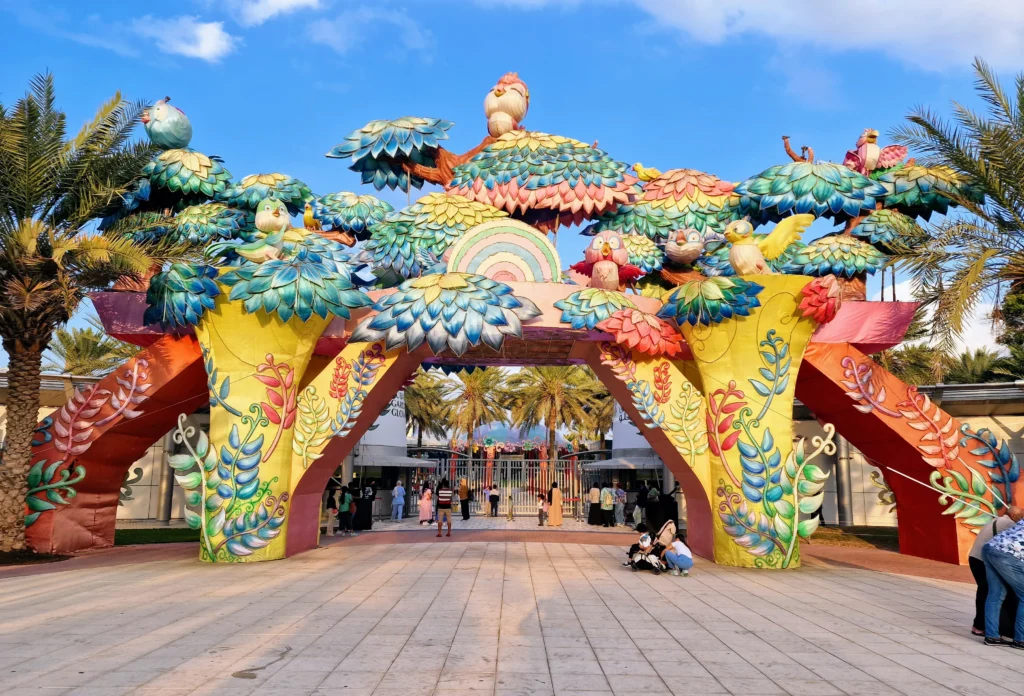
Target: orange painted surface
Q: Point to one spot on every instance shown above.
(105, 430)
(904, 434)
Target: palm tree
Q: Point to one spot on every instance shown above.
(1012, 366)
(553, 397)
(424, 406)
(970, 257)
(473, 399)
(975, 367)
(913, 363)
(51, 187)
(86, 352)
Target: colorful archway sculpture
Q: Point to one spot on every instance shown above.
(296, 354)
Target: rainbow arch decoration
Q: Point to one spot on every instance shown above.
(506, 250)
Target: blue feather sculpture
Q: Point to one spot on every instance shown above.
(167, 126)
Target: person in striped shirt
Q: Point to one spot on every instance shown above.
(444, 506)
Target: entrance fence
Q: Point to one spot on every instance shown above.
(519, 480)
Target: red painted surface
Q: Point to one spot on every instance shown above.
(178, 385)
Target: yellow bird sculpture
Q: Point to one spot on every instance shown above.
(747, 254)
(646, 173)
(308, 221)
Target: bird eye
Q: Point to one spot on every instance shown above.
(614, 243)
(693, 237)
(597, 243)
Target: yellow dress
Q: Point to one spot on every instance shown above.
(555, 513)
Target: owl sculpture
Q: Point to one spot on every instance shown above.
(506, 105)
(682, 248)
(607, 262)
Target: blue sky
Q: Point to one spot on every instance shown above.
(271, 85)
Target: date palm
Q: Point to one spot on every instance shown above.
(86, 351)
(976, 367)
(473, 399)
(553, 397)
(970, 256)
(51, 187)
(425, 410)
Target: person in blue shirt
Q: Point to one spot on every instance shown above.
(1004, 569)
(397, 501)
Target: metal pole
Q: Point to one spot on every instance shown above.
(844, 496)
(166, 492)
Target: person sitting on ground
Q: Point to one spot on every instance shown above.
(493, 499)
(1008, 614)
(542, 507)
(641, 554)
(678, 557)
(444, 506)
(1004, 568)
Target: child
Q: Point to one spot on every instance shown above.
(542, 509)
(641, 554)
(678, 556)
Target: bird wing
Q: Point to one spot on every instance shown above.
(583, 268)
(628, 273)
(890, 156)
(784, 234)
(853, 161)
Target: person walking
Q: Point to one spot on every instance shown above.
(426, 504)
(594, 511)
(493, 498)
(620, 505)
(345, 509)
(465, 496)
(444, 506)
(1004, 569)
(331, 507)
(607, 505)
(554, 505)
(1009, 611)
(397, 501)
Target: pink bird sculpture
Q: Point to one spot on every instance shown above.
(868, 156)
(607, 262)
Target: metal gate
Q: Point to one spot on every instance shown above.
(520, 481)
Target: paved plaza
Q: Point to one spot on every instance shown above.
(449, 616)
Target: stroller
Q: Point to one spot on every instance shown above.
(643, 555)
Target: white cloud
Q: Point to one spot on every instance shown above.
(187, 36)
(353, 28)
(928, 34)
(253, 12)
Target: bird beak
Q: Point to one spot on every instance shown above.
(277, 212)
(145, 116)
(499, 91)
(606, 249)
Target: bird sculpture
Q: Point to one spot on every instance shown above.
(274, 227)
(747, 254)
(506, 105)
(869, 156)
(646, 173)
(167, 126)
(682, 248)
(607, 262)
(308, 221)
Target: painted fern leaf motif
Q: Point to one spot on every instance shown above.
(940, 442)
(968, 501)
(74, 425)
(219, 392)
(132, 385)
(1004, 470)
(279, 379)
(312, 428)
(362, 376)
(860, 386)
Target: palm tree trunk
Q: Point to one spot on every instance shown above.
(23, 379)
(419, 436)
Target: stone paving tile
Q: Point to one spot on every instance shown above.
(492, 617)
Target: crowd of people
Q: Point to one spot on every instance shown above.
(997, 563)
